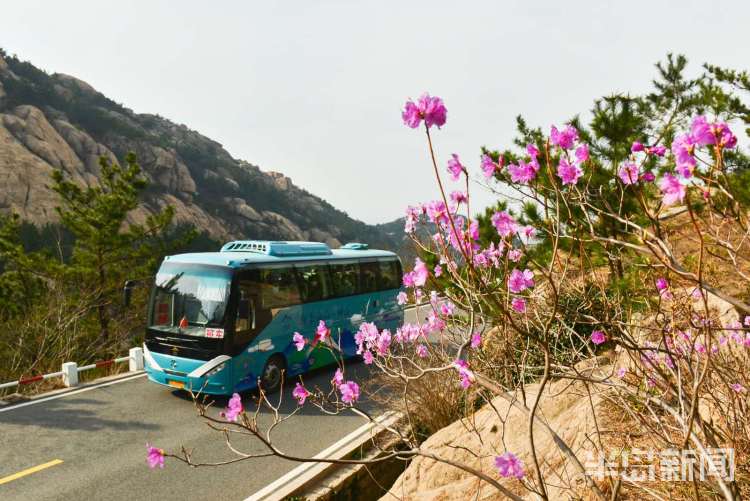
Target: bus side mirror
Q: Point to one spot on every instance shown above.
(127, 292)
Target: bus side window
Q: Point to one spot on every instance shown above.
(345, 278)
(245, 322)
(314, 281)
(279, 287)
(390, 277)
(369, 276)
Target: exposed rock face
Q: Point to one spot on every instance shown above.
(568, 413)
(565, 406)
(58, 122)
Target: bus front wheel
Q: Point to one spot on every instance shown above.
(273, 374)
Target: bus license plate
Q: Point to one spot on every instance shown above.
(177, 384)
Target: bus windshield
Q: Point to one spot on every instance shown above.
(188, 298)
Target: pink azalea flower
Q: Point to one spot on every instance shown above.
(737, 387)
(636, 147)
(474, 230)
(411, 219)
(648, 177)
(747, 320)
(455, 168)
(521, 173)
(659, 150)
(480, 260)
(628, 173)
(529, 231)
(421, 351)
(565, 138)
(532, 150)
(408, 279)
(349, 392)
(428, 108)
(458, 197)
(662, 284)
(476, 340)
(438, 270)
(464, 373)
(685, 170)
(299, 341)
(569, 174)
(701, 131)
(504, 223)
(367, 357)
(683, 148)
(518, 281)
(435, 323)
(519, 304)
(726, 138)
(401, 298)
(508, 465)
(300, 393)
(410, 115)
(489, 167)
(672, 190)
(582, 153)
(598, 337)
(447, 308)
(322, 332)
(154, 457)
(338, 378)
(420, 273)
(515, 255)
(384, 342)
(234, 408)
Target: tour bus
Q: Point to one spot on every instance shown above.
(218, 322)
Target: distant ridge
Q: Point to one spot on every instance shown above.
(60, 122)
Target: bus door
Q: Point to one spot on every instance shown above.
(349, 308)
(318, 303)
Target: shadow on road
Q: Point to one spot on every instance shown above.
(70, 413)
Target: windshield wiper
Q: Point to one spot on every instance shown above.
(176, 339)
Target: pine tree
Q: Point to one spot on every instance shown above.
(109, 247)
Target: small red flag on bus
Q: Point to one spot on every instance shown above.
(183, 323)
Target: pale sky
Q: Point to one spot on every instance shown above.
(314, 89)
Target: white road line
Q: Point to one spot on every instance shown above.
(293, 480)
(74, 392)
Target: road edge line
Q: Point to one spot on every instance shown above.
(64, 393)
(307, 472)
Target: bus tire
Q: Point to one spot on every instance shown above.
(273, 374)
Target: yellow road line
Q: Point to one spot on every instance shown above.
(29, 471)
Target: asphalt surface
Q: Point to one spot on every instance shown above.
(100, 436)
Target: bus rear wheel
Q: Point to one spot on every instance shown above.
(273, 374)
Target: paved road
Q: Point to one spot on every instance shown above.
(100, 435)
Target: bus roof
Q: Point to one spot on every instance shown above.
(239, 254)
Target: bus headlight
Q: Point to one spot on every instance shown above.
(215, 370)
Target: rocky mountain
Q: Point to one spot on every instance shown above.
(60, 122)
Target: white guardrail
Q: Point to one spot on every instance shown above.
(70, 370)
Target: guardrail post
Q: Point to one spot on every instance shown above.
(70, 374)
(136, 359)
